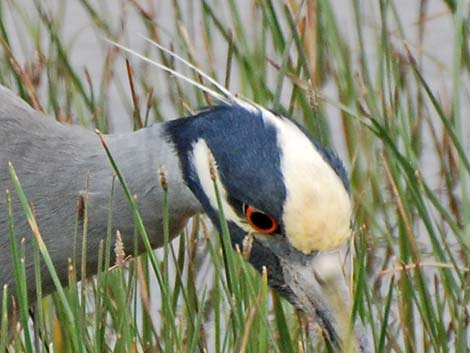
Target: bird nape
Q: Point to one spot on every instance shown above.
(276, 185)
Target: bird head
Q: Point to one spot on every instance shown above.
(278, 186)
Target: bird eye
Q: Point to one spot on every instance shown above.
(260, 221)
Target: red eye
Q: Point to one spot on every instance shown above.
(261, 222)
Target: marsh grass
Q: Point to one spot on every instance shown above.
(404, 143)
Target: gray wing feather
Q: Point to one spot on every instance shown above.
(53, 162)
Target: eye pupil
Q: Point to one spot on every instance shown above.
(261, 222)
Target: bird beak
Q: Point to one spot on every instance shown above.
(320, 289)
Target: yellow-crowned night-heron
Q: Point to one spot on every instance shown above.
(275, 181)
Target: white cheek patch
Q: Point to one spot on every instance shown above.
(201, 161)
(317, 210)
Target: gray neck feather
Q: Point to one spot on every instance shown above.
(53, 162)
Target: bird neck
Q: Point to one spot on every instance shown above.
(58, 164)
(141, 157)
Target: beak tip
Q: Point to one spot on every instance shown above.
(321, 290)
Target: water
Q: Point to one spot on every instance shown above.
(88, 49)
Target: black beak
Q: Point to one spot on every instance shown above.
(320, 289)
(316, 284)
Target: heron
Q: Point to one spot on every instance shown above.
(277, 184)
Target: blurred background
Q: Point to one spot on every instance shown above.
(386, 83)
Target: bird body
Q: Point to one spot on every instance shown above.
(53, 163)
(276, 184)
